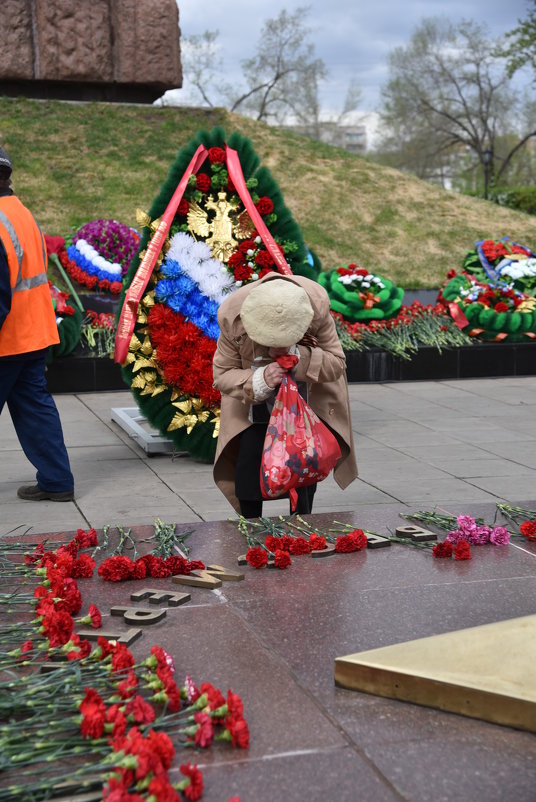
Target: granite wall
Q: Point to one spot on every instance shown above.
(104, 49)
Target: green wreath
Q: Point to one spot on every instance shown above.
(359, 295)
(491, 311)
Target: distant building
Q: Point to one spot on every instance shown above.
(351, 137)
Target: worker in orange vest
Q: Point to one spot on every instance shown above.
(27, 328)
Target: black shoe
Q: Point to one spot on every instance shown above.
(34, 493)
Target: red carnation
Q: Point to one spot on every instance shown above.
(243, 273)
(162, 745)
(462, 550)
(443, 549)
(194, 790)
(159, 788)
(216, 155)
(87, 539)
(140, 570)
(96, 618)
(93, 711)
(159, 569)
(237, 258)
(264, 206)
(183, 208)
(177, 565)
(282, 559)
(300, 546)
(239, 731)
(203, 182)
(128, 686)
(264, 259)
(247, 245)
(83, 566)
(121, 657)
(528, 529)
(205, 731)
(317, 542)
(116, 569)
(272, 543)
(215, 697)
(501, 307)
(257, 557)
(141, 711)
(353, 541)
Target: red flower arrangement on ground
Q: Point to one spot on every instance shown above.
(279, 546)
(118, 719)
(121, 568)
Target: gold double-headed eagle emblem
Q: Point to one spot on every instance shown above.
(221, 230)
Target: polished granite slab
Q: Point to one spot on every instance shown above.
(273, 639)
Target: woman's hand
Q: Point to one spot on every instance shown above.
(273, 374)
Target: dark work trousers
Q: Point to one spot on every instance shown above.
(247, 475)
(36, 420)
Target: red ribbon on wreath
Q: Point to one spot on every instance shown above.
(133, 296)
(369, 299)
(237, 177)
(457, 315)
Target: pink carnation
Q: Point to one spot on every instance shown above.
(456, 535)
(500, 536)
(480, 535)
(466, 523)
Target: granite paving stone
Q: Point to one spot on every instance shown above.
(456, 446)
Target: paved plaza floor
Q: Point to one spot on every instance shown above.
(459, 446)
(418, 443)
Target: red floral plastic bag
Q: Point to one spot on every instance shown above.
(299, 449)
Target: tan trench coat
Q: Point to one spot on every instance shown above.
(323, 368)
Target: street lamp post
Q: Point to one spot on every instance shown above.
(487, 161)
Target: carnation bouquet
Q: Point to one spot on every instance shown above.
(223, 224)
(359, 295)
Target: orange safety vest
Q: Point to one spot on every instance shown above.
(31, 322)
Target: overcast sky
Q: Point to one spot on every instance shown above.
(352, 37)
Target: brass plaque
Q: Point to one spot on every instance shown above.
(483, 672)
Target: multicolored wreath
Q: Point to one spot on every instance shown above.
(489, 311)
(211, 247)
(100, 253)
(503, 261)
(359, 295)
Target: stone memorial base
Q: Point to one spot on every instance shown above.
(273, 638)
(78, 374)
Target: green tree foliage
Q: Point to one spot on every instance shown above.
(521, 49)
(448, 96)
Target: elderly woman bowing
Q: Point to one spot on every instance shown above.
(259, 322)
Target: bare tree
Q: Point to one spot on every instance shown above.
(448, 90)
(283, 76)
(202, 62)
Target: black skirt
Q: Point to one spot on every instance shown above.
(248, 464)
(248, 470)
